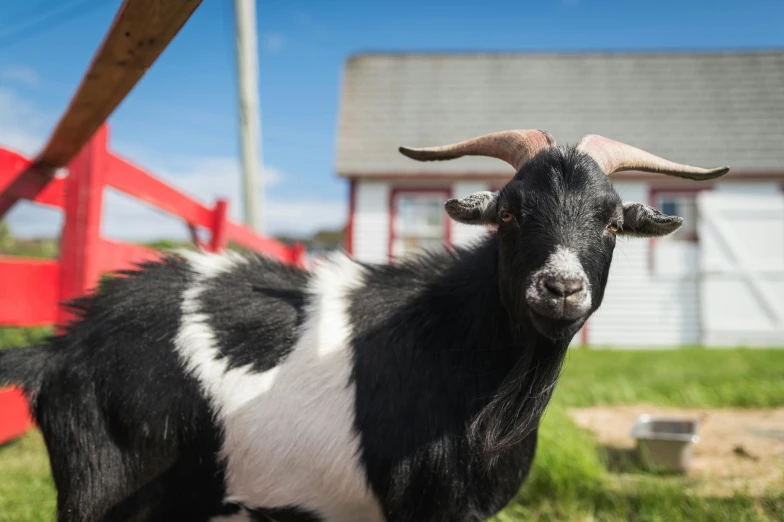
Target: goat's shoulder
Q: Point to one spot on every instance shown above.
(143, 300)
(247, 309)
(251, 306)
(144, 328)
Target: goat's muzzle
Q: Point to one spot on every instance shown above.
(559, 294)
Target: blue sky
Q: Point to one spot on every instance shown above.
(180, 121)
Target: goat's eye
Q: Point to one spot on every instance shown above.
(612, 227)
(506, 216)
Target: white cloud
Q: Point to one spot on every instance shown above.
(128, 219)
(211, 173)
(21, 75)
(31, 221)
(22, 127)
(210, 178)
(205, 179)
(272, 42)
(303, 217)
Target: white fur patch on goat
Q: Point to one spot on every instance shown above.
(289, 436)
(562, 264)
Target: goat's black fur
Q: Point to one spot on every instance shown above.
(433, 345)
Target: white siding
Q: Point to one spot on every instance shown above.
(646, 307)
(466, 234)
(371, 222)
(749, 188)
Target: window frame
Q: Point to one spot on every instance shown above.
(445, 192)
(658, 195)
(654, 194)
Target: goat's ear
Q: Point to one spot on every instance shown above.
(476, 209)
(643, 221)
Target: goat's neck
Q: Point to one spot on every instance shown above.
(527, 383)
(502, 307)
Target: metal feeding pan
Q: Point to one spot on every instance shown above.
(665, 444)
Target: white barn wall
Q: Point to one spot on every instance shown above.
(742, 265)
(644, 308)
(371, 222)
(749, 188)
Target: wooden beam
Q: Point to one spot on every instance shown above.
(140, 32)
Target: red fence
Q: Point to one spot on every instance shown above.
(31, 290)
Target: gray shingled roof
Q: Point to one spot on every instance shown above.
(699, 108)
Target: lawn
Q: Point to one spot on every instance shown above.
(569, 481)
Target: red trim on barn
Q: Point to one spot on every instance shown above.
(352, 208)
(394, 191)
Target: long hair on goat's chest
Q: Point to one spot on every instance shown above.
(432, 345)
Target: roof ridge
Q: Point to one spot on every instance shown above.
(669, 53)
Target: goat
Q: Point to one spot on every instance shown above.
(234, 388)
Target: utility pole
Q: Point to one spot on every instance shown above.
(249, 112)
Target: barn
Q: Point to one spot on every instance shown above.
(717, 282)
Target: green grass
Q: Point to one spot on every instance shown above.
(570, 480)
(13, 337)
(694, 377)
(26, 490)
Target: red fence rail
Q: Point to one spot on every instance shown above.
(32, 289)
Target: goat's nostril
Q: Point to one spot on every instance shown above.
(564, 287)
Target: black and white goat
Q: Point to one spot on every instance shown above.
(228, 388)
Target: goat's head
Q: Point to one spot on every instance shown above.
(558, 218)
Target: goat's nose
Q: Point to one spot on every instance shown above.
(563, 287)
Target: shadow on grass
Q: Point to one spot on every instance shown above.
(628, 460)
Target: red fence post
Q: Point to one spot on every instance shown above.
(80, 239)
(219, 239)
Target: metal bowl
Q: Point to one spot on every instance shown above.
(665, 444)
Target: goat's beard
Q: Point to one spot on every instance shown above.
(516, 409)
(520, 401)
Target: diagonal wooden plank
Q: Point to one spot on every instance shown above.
(140, 32)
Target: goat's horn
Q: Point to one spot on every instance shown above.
(514, 147)
(613, 156)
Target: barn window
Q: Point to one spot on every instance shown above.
(418, 221)
(683, 204)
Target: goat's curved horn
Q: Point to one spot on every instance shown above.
(514, 147)
(613, 156)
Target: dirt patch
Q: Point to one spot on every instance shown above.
(739, 450)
